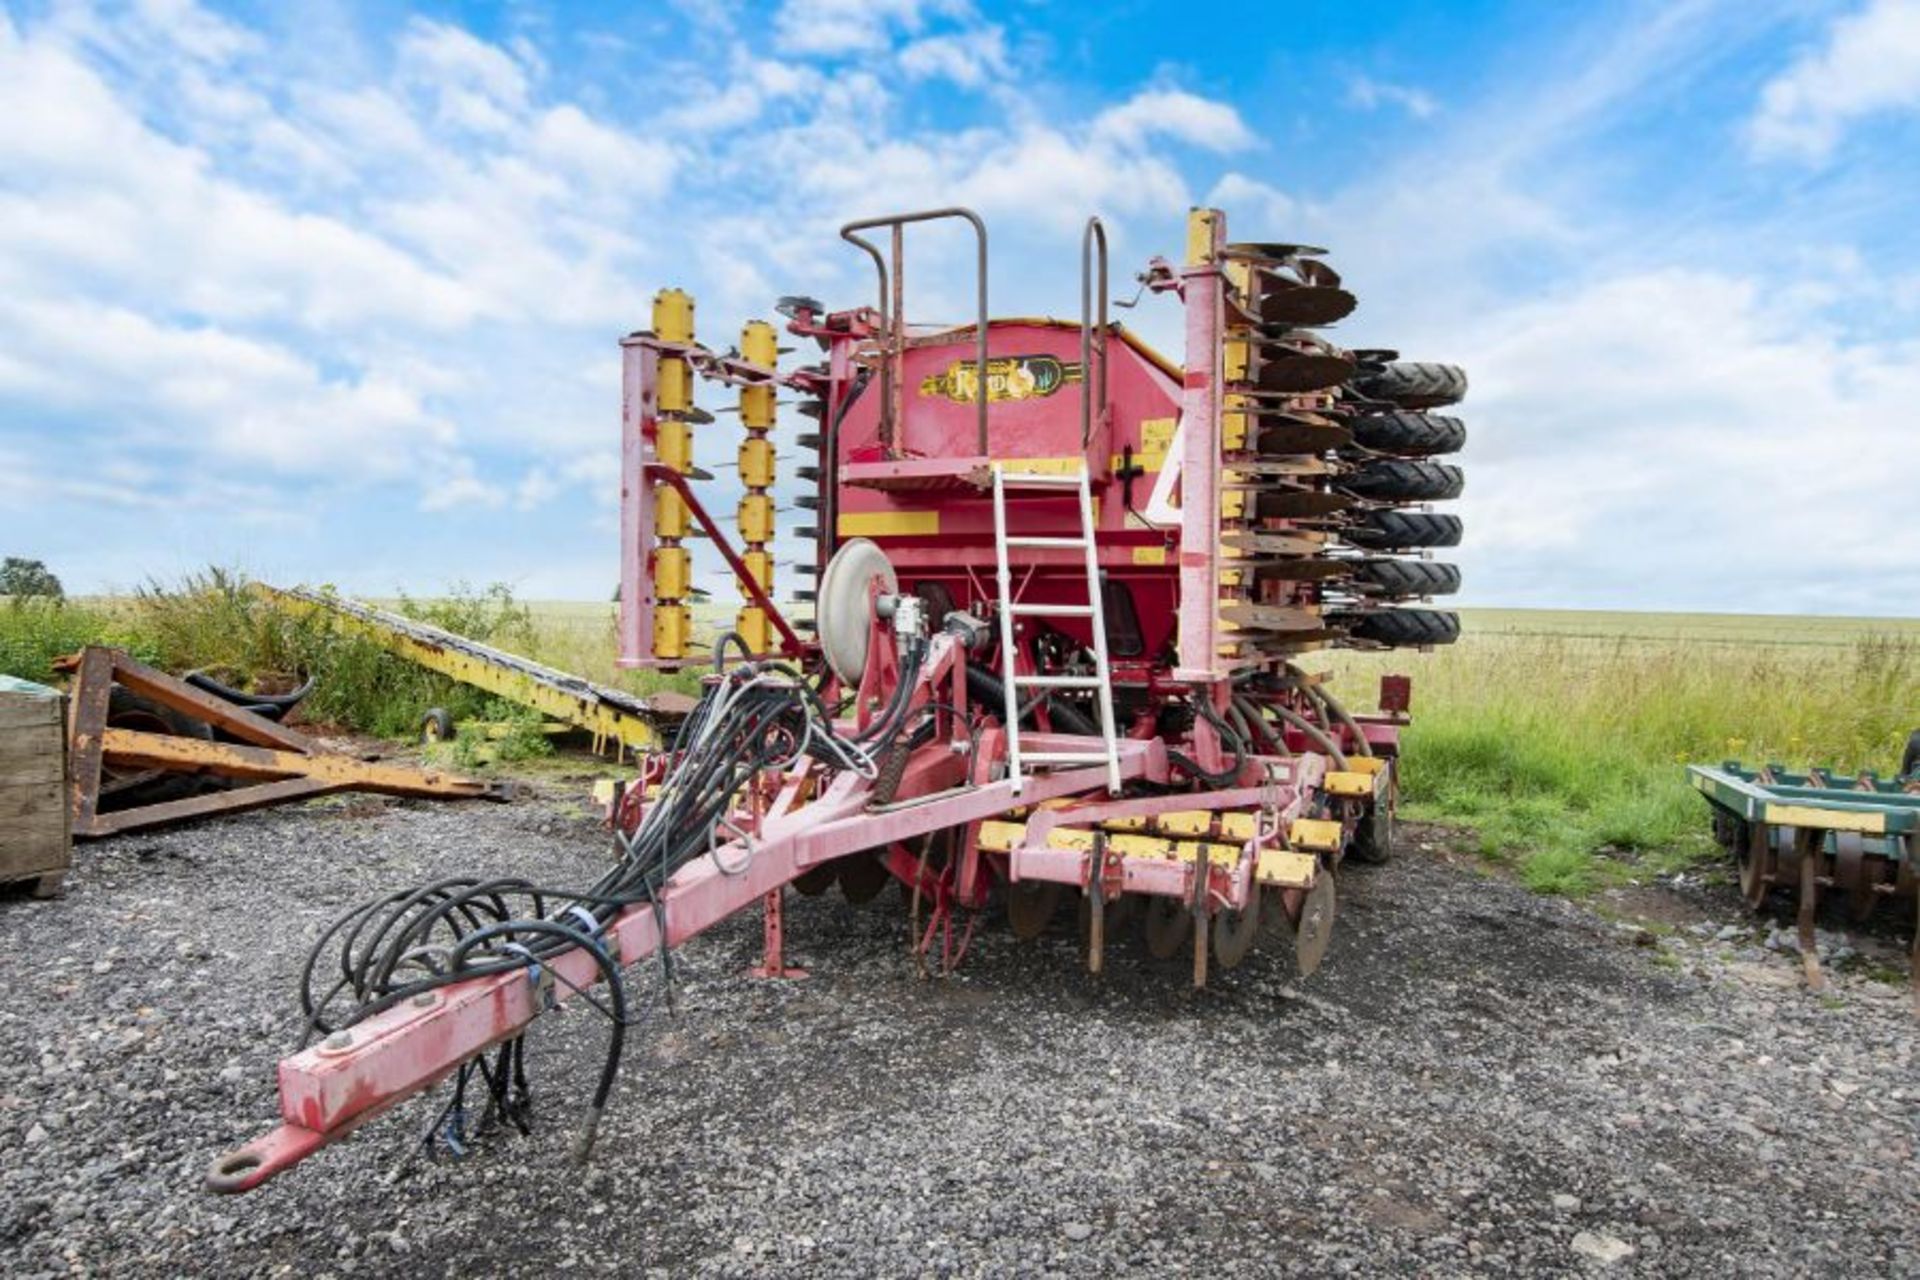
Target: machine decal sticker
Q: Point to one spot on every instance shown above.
(1008, 378)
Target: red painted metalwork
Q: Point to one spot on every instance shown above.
(1396, 694)
(791, 644)
(639, 363)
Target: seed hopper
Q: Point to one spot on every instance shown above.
(1060, 586)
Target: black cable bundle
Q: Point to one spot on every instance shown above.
(403, 945)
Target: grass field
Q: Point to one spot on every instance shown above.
(1557, 735)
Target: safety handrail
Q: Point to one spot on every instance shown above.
(1096, 232)
(894, 322)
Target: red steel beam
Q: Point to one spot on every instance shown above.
(329, 1089)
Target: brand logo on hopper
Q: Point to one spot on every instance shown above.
(1008, 378)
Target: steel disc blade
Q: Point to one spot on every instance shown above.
(1235, 932)
(1284, 302)
(1314, 929)
(1031, 905)
(816, 881)
(1299, 372)
(862, 877)
(1296, 570)
(1279, 435)
(1168, 925)
(1295, 504)
(1273, 250)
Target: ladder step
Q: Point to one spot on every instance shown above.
(1039, 480)
(1014, 541)
(1059, 682)
(1062, 757)
(1054, 610)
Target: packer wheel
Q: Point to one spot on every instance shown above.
(1399, 578)
(1401, 628)
(1391, 529)
(1409, 434)
(1413, 384)
(1406, 480)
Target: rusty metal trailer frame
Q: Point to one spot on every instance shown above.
(1818, 830)
(612, 716)
(282, 764)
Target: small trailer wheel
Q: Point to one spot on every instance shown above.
(436, 726)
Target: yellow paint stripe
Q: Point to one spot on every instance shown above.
(1314, 833)
(1285, 868)
(1810, 816)
(889, 524)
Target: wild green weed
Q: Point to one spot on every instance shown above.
(1560, 748)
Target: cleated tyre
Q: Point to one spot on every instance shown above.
(1402, 628)
(1413, 384)
(1408, 577)
(1406, 480)
(1409, 434)
(1390, 529)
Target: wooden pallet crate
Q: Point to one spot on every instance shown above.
(36, 842)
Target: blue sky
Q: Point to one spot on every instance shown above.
(331, 292)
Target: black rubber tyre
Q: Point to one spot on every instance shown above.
(1373, 839)
(1910, 758)
(1408, 577)
(1406, 480)
(1409, 434)
(436, 725)
(1413, 384)
(1402, 627)
(130, 788)
(1386, 530)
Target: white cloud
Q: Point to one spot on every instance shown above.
(970, 58)
(208, 397)
(1370, 94)
(837, 28)
(1679, 438)
(750, 85)
(1868, 64)
(1175, 114)
(476, 85)
(1254, 204)
(91, 194)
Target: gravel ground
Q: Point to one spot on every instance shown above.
(1478, 1081)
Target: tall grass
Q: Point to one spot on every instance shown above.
(213, 621)
(1555, 749)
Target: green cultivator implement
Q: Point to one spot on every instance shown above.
(1807, 832)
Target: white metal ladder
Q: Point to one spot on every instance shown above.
(1100, 683)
